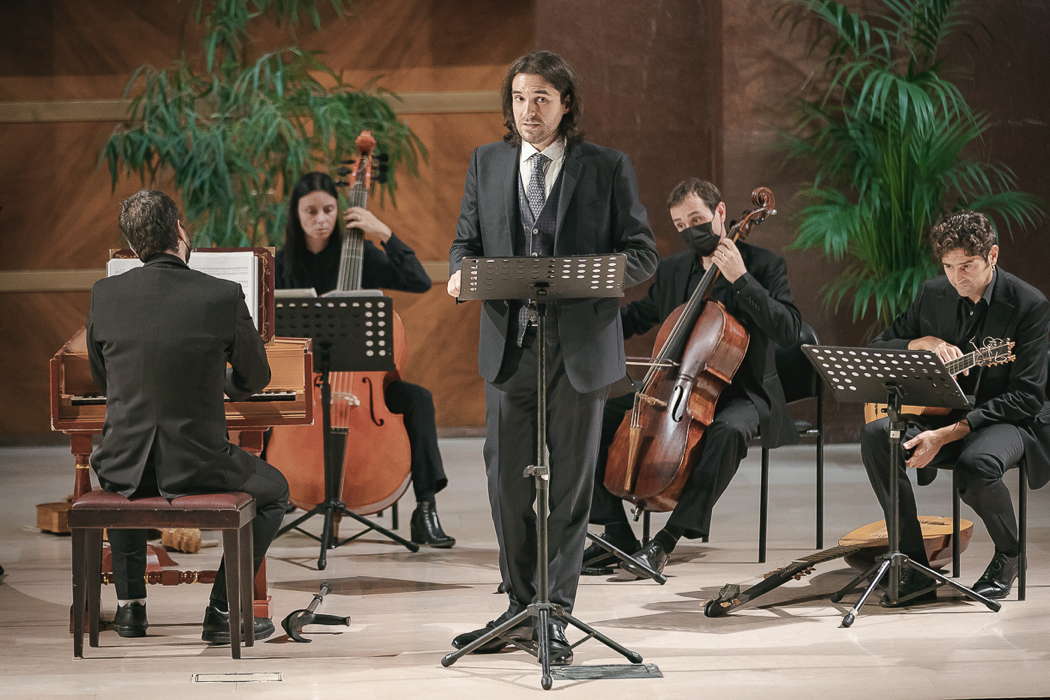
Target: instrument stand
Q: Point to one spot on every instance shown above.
(542, 280)
(349, 335)
(916, 377)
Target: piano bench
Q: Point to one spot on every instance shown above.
(232, 513)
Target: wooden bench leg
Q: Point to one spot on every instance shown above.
(245, 562)
(93, 581)
(230, 558)
(79, 595)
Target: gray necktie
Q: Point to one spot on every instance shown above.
(536, 191)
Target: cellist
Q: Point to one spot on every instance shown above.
(754, 288)
(310, 258)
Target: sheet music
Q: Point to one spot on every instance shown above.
(240, 267)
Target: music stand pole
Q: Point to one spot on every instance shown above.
(854, 375)
(541, 290)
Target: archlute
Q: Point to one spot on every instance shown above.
(994, 351)
(859, 547)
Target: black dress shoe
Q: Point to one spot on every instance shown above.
(130, 620)
(560, 649)
(216, 626)
(426, 528)
(597, 561)
(912, 582)
(652, 555)
(496, 644)
(999, 577)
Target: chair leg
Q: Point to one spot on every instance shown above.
(393, 516)
(763, 507)
(820, 478)
(1022, 528)
(645, 527)
(93, 581)
(79, 580)
(245, 561)
(231, 559)
(956, 514)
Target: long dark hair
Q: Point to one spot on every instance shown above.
(556, 71)
(294, 236)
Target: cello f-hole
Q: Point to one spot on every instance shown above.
(678, 398)
(372, 401)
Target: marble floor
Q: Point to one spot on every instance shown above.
(406, 607)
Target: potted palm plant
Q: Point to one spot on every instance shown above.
(235, 130)
(890, 140)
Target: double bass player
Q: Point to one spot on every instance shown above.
(754, 289)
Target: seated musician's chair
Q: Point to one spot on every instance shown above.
(801, 382)
(230, 512)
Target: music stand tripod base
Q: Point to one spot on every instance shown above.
(351, 334)
(896, 377)
(542, 280)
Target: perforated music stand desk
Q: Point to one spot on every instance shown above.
(541, 281)
(893, 377)
(351, 333)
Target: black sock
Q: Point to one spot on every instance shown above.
(620, 533)
(668, 538)
(420, 500)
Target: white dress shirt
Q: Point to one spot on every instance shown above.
(555, 151)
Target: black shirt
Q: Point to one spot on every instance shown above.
(395, 266)
(969, 325)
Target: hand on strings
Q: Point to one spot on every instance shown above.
(453, 285)
(944, 350)
(727, 258)
(369, 223)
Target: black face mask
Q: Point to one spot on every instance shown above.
(701, 239)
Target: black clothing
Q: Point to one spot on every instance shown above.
(598, 211)
(1010, 419)
(393, 267)
(159, 338)
(1011, 393)
(760, 300)
(753, 404)
(396, 267)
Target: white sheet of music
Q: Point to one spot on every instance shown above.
(240, 267)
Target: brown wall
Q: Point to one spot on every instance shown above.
(682, 86)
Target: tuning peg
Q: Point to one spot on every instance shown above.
(343, 171)
(347, 162)
(381, 157)
(381, 178)
(342, 183)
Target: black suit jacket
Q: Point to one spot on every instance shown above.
(760, 300)
(598, 212)
(159, 338)
(1013, 393)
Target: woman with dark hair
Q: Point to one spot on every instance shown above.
(310, 258)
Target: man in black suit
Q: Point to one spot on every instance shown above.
(1010, 419)
(754, 288)
(159, 338)
(545, 191)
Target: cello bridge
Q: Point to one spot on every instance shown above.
(347, 397)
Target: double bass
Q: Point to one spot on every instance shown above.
(376, 462)
(698, 349)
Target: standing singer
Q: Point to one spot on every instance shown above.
(545, 191)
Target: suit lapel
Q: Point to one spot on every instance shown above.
(570, 175)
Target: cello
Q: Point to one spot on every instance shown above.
(376, 463)
(698, 349)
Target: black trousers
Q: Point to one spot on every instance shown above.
(980, 460)
(573, 430)
(266, 485)
(722, 448)
(416, 404)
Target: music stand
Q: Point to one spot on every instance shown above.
(541, 281)
(896, 377)
(350, 335)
